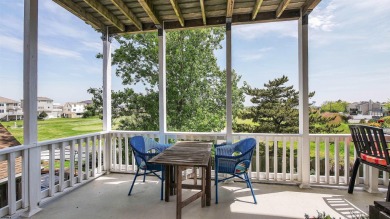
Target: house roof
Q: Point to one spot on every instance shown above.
(6, 100)
(132, 16)
(44, 98)
(8, 140)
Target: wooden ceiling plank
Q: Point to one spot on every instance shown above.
(126, 11)
(282, 6)
(102, 10)
(176, 8)
(256, 9)
(148, 7)
(229, 8)
(217, 21)
(81, 13)
(203, 12)
(309, 6)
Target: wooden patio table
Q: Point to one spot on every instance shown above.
(180, 156)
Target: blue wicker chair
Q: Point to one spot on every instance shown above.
(234, 159)
(144, 149)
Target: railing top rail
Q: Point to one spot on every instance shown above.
(135, 132)
(71, 138)
(267, 134)
(16, 149)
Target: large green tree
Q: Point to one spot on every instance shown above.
(334, 106)
(196, 86)
(275, 110)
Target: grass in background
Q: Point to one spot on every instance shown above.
(57, 128)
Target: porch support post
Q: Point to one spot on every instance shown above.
(31, 177)
(106, 81)
(107, 98)
(304, 99)
(229, 104)
(162, 85)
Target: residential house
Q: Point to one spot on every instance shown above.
(44, 104)
(10, 109)
(73, 109)
(366, 108)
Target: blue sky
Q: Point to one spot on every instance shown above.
(349, 52)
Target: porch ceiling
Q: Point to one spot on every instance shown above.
(132, 16)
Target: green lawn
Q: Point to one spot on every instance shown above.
(57, 128)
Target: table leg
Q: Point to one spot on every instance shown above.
(178, 192)
(208, 183)
(203, 184)
(168, 174)
(172, 185)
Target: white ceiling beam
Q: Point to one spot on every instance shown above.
(102, 10)
(282, 6)
(148, 7)
(127, 12)
(256, 9)
(178, 13)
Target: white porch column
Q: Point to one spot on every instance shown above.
(107, 98)
(106, 81)
(229, 104)
(31, 177)
(162, 85)
(304, 99)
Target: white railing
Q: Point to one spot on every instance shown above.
(277, 160)
(277, 156)
(65, 164)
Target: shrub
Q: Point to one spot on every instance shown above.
(42, 115)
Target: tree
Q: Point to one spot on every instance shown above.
(42, 115)
(334, 106)
(196, 87)
(275, 110)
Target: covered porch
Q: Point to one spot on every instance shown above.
(95, 160)
(105, 197)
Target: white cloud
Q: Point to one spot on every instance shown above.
(11, 43)
(323, 19)
(253, 55)
(94, 46)
(14, 44)
(253, 31)
(49, 50)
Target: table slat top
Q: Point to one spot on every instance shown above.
(185, 153)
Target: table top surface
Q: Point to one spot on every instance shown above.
(185, 153)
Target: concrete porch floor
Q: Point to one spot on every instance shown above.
(106, 197)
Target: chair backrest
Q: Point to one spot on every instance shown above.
(246, 146)
(370, 140)
(138, 143)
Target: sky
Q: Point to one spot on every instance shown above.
(349, 52)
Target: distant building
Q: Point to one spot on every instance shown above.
(74, 109)
(10, 109)
(366, 108)
(45, 104)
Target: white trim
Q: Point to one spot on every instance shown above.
(162, 85)
(229, 104)
(304, 99)
(106, 82)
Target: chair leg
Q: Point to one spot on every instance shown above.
(353, 177)
(135, 177)
(144, 175)
(250, 185)
(246, 180)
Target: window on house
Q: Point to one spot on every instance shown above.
(1, 111)
(1, 104)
